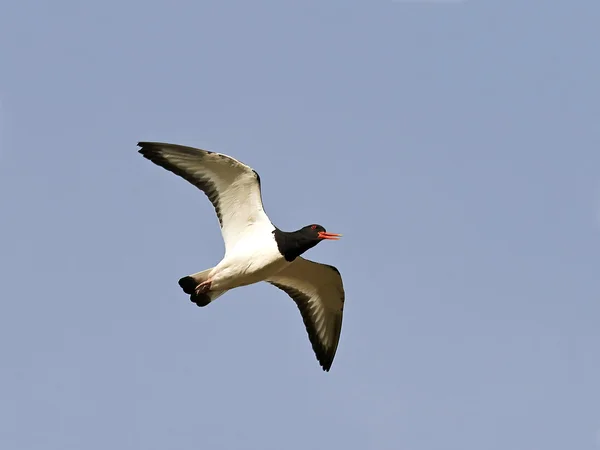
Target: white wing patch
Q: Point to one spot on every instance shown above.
(319, 294)
(232, 187)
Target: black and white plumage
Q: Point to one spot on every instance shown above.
(256, 250)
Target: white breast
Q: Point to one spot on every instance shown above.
(254, 258)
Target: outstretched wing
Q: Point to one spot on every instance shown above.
(232, 187)
(318, 292)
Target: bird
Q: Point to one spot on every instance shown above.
(255, 249)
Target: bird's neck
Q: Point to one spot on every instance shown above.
(292, 244)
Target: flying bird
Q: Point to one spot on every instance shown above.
(255, 249)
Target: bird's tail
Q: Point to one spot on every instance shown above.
(189, 284)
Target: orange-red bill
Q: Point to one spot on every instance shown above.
(332, 236)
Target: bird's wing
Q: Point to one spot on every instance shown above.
(318, 291)
(232, 187)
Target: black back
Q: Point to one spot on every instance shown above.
(293, 244)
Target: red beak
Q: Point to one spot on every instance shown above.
(332, 236)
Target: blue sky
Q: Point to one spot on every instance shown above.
(454, 144)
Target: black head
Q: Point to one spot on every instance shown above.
(291, 245)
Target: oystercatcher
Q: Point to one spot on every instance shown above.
(255, 249)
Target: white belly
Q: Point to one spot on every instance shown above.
(248, 264)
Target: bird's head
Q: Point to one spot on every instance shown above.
(293, 244)
(317, 233)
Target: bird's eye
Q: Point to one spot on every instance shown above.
(314, 227)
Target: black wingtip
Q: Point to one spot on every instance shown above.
(147, 148)
(153, 151)
(326, 363)
(144, 148)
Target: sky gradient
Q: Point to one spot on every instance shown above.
(454, 144)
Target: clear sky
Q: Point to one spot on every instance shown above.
(456, 145)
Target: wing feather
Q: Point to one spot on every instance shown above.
(318, 291)
(231, 186)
